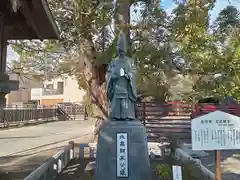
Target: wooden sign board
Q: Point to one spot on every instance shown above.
(215, 131)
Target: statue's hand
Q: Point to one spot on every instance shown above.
(127, 76)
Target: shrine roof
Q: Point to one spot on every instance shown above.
(30, 19)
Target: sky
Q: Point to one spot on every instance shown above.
(168, 5)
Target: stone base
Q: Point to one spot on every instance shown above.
(138, 158)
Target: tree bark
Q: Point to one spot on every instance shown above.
(122, 17)
(95, 77)
(95, 74)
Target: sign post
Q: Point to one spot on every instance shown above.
(214, 132)
(218, 164)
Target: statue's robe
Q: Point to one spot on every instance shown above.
(121, 91)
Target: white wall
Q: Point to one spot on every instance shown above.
(71, 91)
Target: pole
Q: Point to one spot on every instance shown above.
(3, 46)
(3, 59)
(218, 164)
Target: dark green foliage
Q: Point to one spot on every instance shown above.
(159, 40)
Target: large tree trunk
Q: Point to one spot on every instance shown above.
(97, 83)
(122, 17)
(95, 77)
(95, 74)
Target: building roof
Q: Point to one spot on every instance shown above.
(29, 19)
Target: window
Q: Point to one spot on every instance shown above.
(60, 87)
(49, 86)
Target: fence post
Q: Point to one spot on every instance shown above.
(56, 118)
(72, 152)
(48, 113)
(85, 113)
(81, 151)
(36, 114)
(74, 111)
(4, 118)
(144, 113)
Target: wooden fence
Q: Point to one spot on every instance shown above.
(173, 120)
(205, 108)
(74, 111)
(165, 121)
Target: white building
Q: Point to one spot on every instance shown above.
(26, 83)
(61, 89)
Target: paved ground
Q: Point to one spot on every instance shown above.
(21, 139)
(24, 149)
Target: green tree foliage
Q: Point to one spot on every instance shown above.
(157, 42)
(88, 44)
(209, 51)
(228, 18)
(153, 53)
(226, 62)
(80, 51)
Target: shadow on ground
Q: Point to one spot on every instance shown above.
(230, 163)
(21, 124)
(17, 167)
(75, 171)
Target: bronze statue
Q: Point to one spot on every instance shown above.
(121, 84)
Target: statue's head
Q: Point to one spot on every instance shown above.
(121, 44)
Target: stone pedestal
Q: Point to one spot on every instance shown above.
(138, 163)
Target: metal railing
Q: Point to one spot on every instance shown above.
(62, 112)
(50, 169)
(53, 166)
(16, 115)
(52, 92)
(19, 115)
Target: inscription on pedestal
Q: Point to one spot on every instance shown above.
(122, 155)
